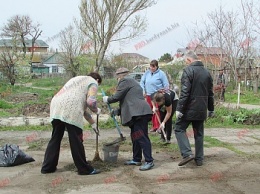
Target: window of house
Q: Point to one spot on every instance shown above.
(54, 69)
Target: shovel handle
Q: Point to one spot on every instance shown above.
(160, 124)
(117, 126)
(97, 134)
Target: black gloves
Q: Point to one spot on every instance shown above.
(115, 112)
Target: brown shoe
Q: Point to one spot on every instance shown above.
(186, 160)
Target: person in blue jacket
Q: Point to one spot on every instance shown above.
(152, 81)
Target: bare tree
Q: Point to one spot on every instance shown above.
(230, 31)
(22, 28)
(254, 10)
(107, 21)
(75, 51)
(8, 61)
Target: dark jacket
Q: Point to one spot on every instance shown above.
(196, 92)
(131, 101)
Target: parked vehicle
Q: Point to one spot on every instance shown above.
(136, 75)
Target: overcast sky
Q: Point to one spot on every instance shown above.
(175, 15)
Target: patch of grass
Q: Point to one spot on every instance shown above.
(5, 114)
(49, 82)
(157, 144)
(213, 142)
(26, 128)
(5, 105)
(246, 97)
(108, 124)
(107, 84)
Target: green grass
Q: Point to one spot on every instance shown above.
(213, 142)
(157, 144)
(49, 82)
(5, 114)
(5, 105)
(26, 128)
(246, 97)
(233, 118)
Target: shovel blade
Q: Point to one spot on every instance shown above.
(118, 140)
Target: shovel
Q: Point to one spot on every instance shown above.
(164, 134)
(121, 138)
(96, 157)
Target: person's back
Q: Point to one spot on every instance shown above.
(131, 100)
(195, 99)
(196, 104)
(69, 103)
(135, 113)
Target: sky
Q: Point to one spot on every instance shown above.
(174, 17)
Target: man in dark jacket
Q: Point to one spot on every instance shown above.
(196, 98)
(135, 112)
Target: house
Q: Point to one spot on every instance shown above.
(215, 56)
(130, 60)
(39, 45)
(55, 63)
(211, 55)
(37, 67)
(40, 69)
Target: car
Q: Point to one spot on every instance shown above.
(136, 75)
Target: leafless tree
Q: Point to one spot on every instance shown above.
(74, 49)
(8, 61)
(22, 28)
(232, 31)
(111, 20)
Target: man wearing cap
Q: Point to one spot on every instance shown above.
(135, 112)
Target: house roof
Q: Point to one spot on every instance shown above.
(208, 50)
(9, 43)
(55, 58)
(132, 55)
(202, 50)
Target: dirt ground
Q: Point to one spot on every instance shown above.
(232, 164)
(225, 170)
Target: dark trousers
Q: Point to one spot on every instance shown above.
(76, 145)
(168, 124)
(183, 141)
(140, 140)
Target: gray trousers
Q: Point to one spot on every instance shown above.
(183, 141)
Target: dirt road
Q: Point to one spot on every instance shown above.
(232, 165)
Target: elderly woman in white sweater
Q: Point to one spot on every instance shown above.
(67, 109)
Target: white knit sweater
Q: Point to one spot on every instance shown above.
(69, 103)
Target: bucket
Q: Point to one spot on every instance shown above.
(110, 152)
